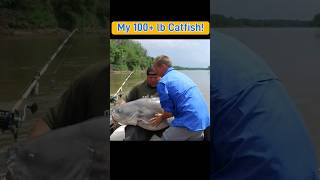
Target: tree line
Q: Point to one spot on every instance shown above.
(191, 68)
(128, 55)
(224, 21)
(66, 14)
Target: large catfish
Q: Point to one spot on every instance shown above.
(139, 113)
(79, 151)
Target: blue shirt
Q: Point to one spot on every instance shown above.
(180, 96)
(257, 132)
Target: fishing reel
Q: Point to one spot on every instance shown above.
(116, 97)
(113, 99)
(12, 120)
(9, 120)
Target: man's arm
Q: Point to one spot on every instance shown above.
(40, 127)
(165, 100)
(83, 99)
(132, 95)
(70, 108)
(166, 104)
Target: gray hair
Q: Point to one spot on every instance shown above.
(163, 59)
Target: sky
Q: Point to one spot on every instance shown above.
(186, 53)
(267, 9)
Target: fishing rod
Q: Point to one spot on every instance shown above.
(11, 120)
(112, 124)
(114, 98)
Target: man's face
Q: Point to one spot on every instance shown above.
(152, 80)
(155, 69)
(160, 70)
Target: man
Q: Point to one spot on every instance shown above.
(86, 98)
(257, 133)
(180, 97)
(146, 88)
(76, 146)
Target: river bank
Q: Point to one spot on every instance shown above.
(23, 32)
(47, 31)
(126, 71)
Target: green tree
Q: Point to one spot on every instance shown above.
(66, 14)
(128, 55)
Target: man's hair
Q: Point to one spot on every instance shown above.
(150, 71)
(163, 59)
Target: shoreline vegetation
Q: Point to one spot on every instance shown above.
(229, 21)
(19, 17)
(46, 31)
(190, 68)
(128, 55)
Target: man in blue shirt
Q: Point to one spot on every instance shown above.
(180, 97)
(256, 132)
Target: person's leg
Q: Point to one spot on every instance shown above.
(207, 134)
(197, 136)
(136, 133)
(159, 132)
(181, 134)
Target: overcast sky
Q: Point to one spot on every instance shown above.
(186, 53)
(266, 9)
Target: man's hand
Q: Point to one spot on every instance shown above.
(156, 120)
(40, 127)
